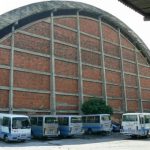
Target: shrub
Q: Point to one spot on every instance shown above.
(96, 106)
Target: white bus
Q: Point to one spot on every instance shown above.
(44, 126)
(70, 125)
(136, 124)
(96, 123)
(14, 127)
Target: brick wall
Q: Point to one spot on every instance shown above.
(91, 55)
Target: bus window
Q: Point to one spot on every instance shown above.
(6, 121)
(76, 120)
(64, 121)
(147, 118)
(105, 118)
(141, 120)
(84, 119)
(33, 120)
(97, 119)
(51, 120)
(40, 121)
(20, 123)
(129, 118)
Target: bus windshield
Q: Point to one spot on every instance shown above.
(20, 123)
(76, 120)
(51, 120)
(131, 118)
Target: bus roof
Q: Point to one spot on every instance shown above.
(97, 115)
(136, 113)
(12, 115)
(43, 115)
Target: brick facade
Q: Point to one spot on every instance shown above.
(32, 66)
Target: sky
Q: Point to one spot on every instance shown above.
(128, 16)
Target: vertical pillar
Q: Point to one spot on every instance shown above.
(52, 67)
(124, 103)
(104, 88)
(140, 106)
(11, 80)
(80, 81)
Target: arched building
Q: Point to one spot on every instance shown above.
(54, 55)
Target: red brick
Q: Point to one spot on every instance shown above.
(91, 73)
(141, 59)
(72, 100)
(65, 35)
(92, 88)
(31, 81)
(4, 99)
(110, 34)
(66, 85)
(132, 93)
(113, 77)
(125, 42)
(32, 43)
(90, 43)
(128, 54)
(67, 21)
(145, 83)
(145, 94)
(4, 56)
(145, 71)
(112, 63)
(4, 77)
(116, 104)
(67, 108)
(89, 26)
(131, 80)
(132, 106)
(6, 41)
(91, 58)
(111, 49)
(65, 51)
(40, 28)
(129, 67)
(66, 68)
(146, 105)
(113, 91)
(31, 100)
(24, 60)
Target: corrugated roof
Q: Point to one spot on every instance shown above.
(141, 6)
(32, 12)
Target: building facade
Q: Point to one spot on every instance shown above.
(56, 55)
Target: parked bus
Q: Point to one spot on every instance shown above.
(14, 127)
(136, 124)
(44, 126)
(70, 125)
(96, 123)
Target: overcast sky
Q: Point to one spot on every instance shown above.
(114, 7)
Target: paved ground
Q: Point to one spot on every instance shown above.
(94, 142)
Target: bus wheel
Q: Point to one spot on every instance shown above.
(89, 131)
(6, 139)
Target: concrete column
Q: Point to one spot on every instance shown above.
(140, 106)
(80, 81)
(52, 67)
(11, 80)
(104, 87)
(124, 102)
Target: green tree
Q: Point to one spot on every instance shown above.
(96, 106)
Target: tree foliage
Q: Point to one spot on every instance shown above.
(96, 106)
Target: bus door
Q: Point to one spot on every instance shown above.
(105, 123)
(51, 126)
(6, 125)
(142, 122)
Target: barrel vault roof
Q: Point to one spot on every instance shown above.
(35, 11)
